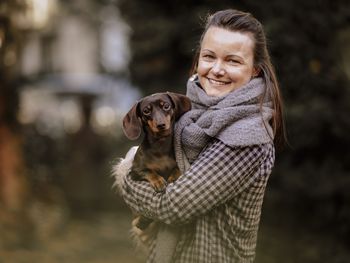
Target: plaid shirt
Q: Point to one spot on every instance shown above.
(216, 203)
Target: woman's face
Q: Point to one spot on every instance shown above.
(225, 61)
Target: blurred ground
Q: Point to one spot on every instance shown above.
(104, 238)
(287, 235)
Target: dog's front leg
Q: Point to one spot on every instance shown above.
(174, 175)
(157, 182)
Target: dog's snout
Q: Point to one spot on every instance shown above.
(161, 126)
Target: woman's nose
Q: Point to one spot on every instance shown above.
(218, 68)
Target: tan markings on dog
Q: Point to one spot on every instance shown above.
(153, 125)
(168, 122)
(163, 163)
(157, 182)
(174, 176)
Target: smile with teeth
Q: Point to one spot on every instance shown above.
(218, 82)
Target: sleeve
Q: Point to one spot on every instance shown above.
(218, 174)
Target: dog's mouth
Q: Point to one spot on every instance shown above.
(161, 133)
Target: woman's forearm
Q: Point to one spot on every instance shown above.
(218, 174)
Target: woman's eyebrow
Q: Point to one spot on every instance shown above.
(207, 50)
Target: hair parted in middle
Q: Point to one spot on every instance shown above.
(238, 21)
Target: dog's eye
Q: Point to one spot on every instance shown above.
(146, 111)
(166, 106)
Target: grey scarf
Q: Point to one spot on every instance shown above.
(236, 119)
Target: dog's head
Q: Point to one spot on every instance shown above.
(155, 114)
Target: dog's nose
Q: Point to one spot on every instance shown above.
(161, 126)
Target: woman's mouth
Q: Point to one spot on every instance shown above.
(218, 82)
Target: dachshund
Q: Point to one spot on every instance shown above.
(154, 161)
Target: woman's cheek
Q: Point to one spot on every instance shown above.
(237, 72)
(203, 67)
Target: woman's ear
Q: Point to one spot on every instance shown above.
(132, 125)
(256, 72)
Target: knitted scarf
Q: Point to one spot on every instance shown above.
(236, 119)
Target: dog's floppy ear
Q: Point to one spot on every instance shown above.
(182, 103)
(132, 125)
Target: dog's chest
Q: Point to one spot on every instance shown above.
(164, 165)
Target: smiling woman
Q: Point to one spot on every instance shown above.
(225, 61)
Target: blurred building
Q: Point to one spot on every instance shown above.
(78, 48)
(74, 90)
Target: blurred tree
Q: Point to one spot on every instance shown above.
(314, 172)
(309, 62)
(13, 186)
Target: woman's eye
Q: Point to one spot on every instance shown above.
(207, 56)
(166, 106)
(234, 61)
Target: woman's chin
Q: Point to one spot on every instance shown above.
(214, 92)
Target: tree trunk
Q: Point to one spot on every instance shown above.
(14, 190)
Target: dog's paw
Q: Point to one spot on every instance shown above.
(174, 176)
(158, 183)
(142, 222)
(143, 237)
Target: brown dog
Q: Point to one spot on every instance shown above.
(154, 161)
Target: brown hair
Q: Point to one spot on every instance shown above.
(234, 20)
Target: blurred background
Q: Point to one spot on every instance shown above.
(69, 71)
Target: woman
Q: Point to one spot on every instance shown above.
(224, 147)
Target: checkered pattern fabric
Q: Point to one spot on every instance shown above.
(215, 205)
